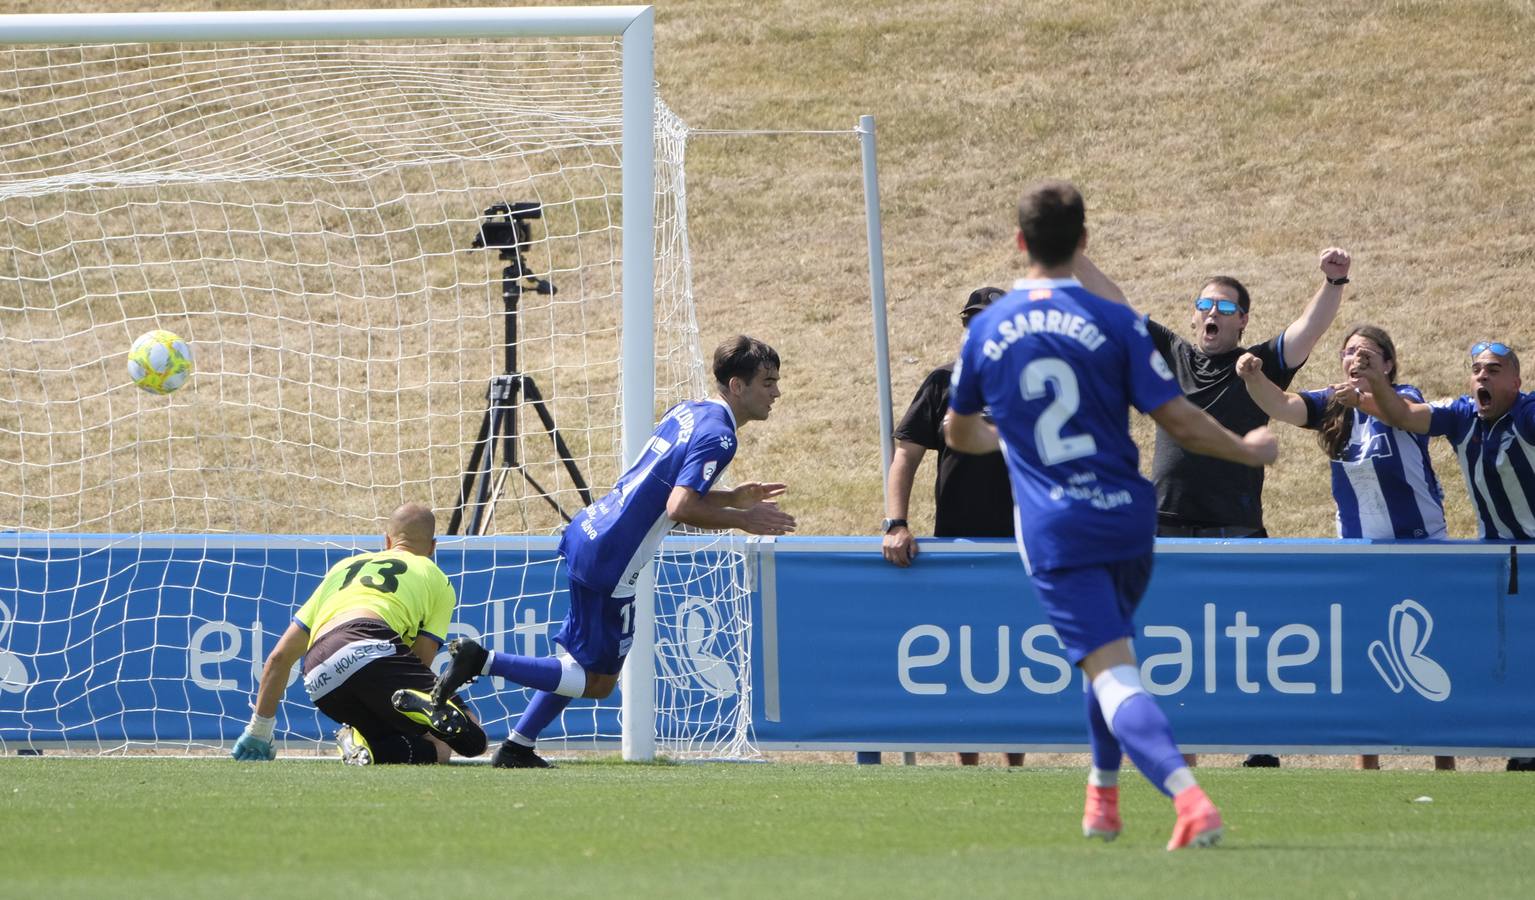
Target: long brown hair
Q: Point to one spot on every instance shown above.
(1337, 420)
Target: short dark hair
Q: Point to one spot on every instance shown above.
(1243, 299)
(742, 357)
(1052, 218)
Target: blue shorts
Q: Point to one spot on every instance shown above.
(598, 629)
(1091, 606)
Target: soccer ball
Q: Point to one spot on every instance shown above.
(160, 362)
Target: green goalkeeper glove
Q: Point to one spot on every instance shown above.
(255, 741)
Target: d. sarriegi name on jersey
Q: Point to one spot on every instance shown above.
(1033, 321)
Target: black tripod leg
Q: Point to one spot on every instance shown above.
(500, 423)
(547, 497)
(472, 471)
(531, 390)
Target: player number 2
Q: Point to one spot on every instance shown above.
(1053, 448)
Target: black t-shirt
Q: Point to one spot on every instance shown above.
(973, 497)
(1201, 490)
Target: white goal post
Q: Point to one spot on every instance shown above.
(292, 192)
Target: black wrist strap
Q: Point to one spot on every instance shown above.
(1338, 281)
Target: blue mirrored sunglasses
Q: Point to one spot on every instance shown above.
(1497, 347)
(1224, 307)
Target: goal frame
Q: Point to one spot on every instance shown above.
(635, 25)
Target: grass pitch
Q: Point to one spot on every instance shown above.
(212, 828)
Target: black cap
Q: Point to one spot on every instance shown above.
(979, 299)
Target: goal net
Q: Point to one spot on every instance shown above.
(399, 266)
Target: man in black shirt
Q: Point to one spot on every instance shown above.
(973, 497)
(1198, 496)
(1202, 497)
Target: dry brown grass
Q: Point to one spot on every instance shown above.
(1236, 137)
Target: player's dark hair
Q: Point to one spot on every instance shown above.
(1337, 420)
(1051, 219)
(742, 357)
(1244, 300)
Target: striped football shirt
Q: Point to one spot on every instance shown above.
(1498, 460)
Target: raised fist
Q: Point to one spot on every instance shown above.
(1335, 262)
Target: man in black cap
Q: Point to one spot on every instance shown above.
(973, 497)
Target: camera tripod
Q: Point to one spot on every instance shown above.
(482, 486)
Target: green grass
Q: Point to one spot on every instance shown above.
(182, 828)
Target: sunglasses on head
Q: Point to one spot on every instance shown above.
(1224, 307)
(1498, 348)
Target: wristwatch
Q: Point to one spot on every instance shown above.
(888, 524)
(1338, 281)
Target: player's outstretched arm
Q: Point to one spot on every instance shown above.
(1197, 432)
(1301, 337)
(425, 648)
(689, 507)
(1095, 281)
(1383, 402)
(745, 494)
(255, 742)
(970, 433)
(1270, 397)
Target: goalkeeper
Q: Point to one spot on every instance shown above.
(369, 633)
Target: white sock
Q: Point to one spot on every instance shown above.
(1104, 778)
(1179, 781)
(1113, 687)
(572, 677)
(521, 741)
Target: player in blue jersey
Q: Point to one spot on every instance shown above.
(1058, 369)
(608, 544)
(1382, 480)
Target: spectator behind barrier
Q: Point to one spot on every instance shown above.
(972, 497)
(1382, 480)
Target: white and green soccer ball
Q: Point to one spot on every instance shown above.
(160, 362)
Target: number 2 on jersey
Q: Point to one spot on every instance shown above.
(1052, 447)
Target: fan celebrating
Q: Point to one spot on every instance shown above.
(610, 542)
(1382, 480)
(1059, 367)
(367, 637)
(1492, 429)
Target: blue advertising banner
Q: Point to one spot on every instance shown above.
(1277, 645)
(108, 639)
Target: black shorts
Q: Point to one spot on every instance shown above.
(351, 673)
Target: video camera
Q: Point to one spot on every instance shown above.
(506, 231)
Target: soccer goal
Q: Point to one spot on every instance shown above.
(432, 255)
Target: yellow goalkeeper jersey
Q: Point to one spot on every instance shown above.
(408, 591)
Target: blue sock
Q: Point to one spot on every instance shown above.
(540, 712)
(1143, 731)
(541, 673)
(1107, 754)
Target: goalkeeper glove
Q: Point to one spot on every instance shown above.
(255, 741)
